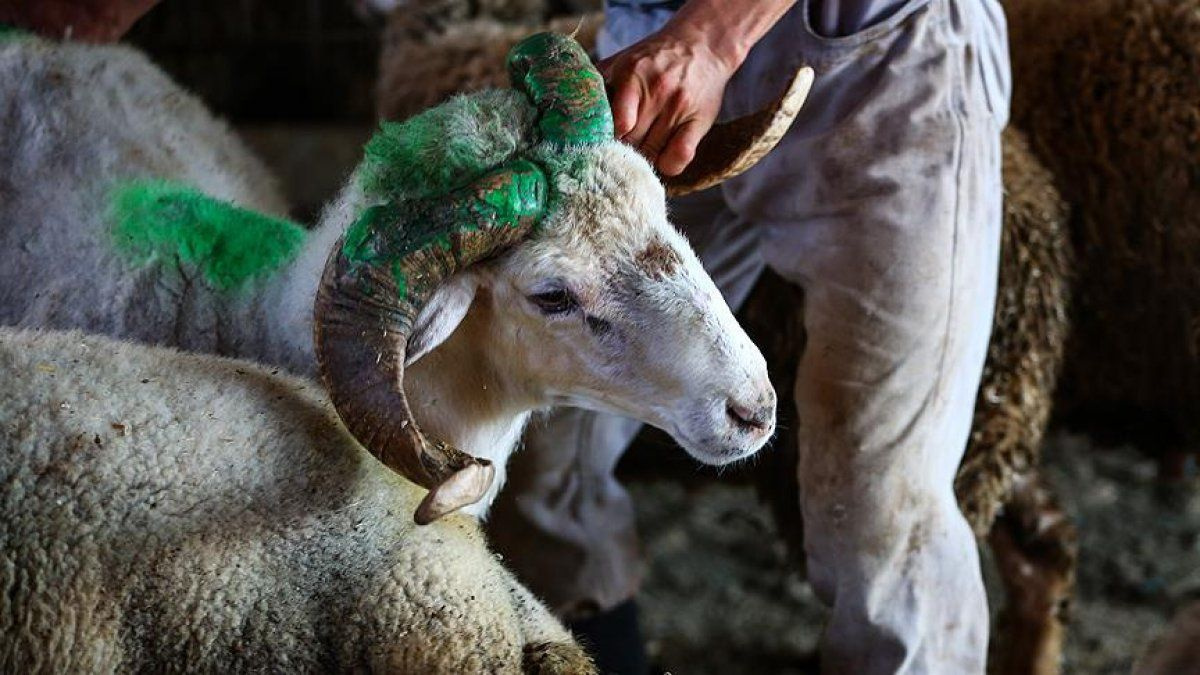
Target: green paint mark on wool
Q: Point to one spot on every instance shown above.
(10, 32)
(228, 245)
(446, 147)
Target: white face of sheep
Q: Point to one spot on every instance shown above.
(609, 309)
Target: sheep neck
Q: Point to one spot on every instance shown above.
(460, 395)
(457, 391)
(277, 321)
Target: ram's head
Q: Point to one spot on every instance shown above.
(523, 199)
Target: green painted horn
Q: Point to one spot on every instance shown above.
(567, 90)
(374, 285)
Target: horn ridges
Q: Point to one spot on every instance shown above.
(565, 87)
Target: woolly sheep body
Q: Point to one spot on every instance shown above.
(420, 65)
(438, 13)
(84, 120)
(176, 512)
(1123, 142)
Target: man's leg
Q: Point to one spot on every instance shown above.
(884, 204)
(562, 522)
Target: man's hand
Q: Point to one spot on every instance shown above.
(666, 93)
(666, 90)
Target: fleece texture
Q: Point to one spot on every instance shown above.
(80, 122)
(169, 512)
(227, 245)
(446, 147)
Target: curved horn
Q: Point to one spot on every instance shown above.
(376, 280)
(732, 147)
(565, 87)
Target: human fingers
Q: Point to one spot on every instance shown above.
(625, 100)
(647, 113)
(681, 149)
(657, 137)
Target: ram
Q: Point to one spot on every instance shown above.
(1123, 144)
(418, 257)
(502, 249)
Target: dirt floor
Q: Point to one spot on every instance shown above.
(721, 598)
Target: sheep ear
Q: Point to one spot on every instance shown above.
(439, 317)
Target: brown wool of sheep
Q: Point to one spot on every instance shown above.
(1028, 334)
(1107, 91)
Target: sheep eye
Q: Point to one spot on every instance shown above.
(557, 301)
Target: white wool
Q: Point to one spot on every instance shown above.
(165, 510)
(78, 121)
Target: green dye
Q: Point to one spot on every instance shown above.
(442, 199)
(387, 234)
(565, 87)
(446, 147)
(161, 221)
(10, 32)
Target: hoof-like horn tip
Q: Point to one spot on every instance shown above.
(467, 486)
(731, 148)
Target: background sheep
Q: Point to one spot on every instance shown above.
(426, 59)
(1122, 139)
(441, 13)
(172, 512)
(81, 119)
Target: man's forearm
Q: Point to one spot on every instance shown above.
(729, 27)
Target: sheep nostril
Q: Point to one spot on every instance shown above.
(749, 419)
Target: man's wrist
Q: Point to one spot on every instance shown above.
(725, 43)
(728, 28)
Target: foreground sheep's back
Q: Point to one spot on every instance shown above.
(165, 511)
(77, 120)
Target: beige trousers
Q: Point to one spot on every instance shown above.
(884, 203)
